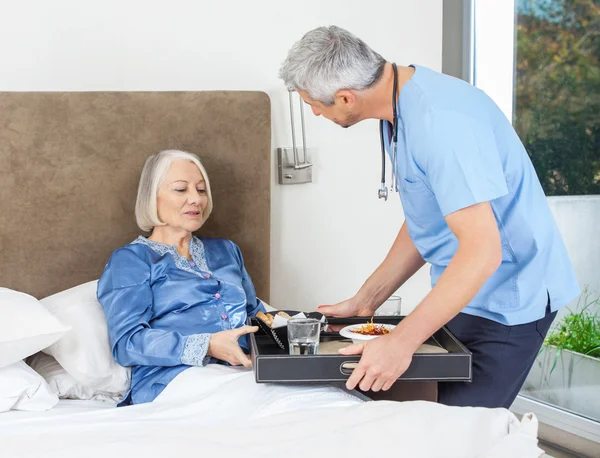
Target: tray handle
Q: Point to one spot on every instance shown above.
(347, 367)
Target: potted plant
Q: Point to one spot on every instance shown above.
(567, 371)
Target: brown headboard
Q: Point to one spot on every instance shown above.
(70, 164)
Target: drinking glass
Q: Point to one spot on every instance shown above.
(303, 336)
(391, 307)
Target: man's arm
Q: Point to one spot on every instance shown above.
(478, 256)
(401, 263)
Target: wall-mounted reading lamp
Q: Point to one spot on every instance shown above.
(290, 169)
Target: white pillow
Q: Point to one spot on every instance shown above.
(84, 352)
(22, 388)
(62, 384)
(25, 326)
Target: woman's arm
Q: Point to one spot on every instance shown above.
(126, 297)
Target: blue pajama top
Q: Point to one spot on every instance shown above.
(161, 308)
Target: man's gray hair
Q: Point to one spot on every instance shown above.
(328, 59)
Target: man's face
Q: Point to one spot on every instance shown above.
(342, 112)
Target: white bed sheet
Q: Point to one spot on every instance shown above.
(217, 410)
(64, 408)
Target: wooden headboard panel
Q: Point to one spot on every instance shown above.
(70, 164)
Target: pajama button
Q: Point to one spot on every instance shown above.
(224, 316)
(206, 275)
(192, 264)
(218, 296)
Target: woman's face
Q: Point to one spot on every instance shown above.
(182, 197)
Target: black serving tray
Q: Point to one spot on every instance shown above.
(272, 364)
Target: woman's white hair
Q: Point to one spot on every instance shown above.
(154, 172)
(329, 59)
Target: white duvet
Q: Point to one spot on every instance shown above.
(220, 411)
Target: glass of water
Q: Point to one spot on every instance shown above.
(303, 336)
(391, 307)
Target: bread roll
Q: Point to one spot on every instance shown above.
(267, 318)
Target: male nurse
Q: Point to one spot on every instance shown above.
(474, 209)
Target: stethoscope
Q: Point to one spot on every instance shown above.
(383, 191)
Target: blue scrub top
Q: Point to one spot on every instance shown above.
(456, 149)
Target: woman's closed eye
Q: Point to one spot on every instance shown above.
(201, 191)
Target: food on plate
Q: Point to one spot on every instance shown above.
(371, 329)
(267, 318)
(284, 315)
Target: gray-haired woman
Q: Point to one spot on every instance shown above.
(174, 300)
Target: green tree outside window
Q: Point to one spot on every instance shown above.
(557, 92)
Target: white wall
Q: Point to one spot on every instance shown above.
(328, 236)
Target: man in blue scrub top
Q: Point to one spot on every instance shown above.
(474, 209)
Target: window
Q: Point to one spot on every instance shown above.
(540, 61)
(557, 92)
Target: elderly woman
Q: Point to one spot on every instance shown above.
(174, 300)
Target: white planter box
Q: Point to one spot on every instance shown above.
(574, 384)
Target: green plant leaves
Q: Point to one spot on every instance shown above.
(579, 331)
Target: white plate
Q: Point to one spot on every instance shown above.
(358, 338)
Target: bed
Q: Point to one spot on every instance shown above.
(70, 165)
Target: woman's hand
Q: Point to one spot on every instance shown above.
(223, 345)
(349, 307)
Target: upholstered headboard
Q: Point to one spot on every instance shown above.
(70, 164)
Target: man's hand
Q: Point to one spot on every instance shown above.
(383, 360)
(350, 307)
(400, 264)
